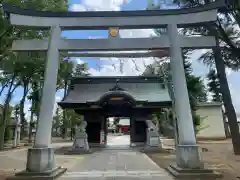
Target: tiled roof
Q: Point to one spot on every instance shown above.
(151, 92)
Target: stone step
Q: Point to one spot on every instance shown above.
(25, 175)
(126, 174)
(192, 174)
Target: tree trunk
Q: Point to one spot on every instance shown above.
(3, 87)
(71, 134)
(5, 112)
(21, 108)
(30, 126)
(65, 123)
(227, 100)
(39, 103)
(65, 132)
(226, 126)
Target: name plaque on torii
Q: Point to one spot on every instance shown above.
(113, 32)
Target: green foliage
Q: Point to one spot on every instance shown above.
(25, 68)
(199, 126)
(81, 70)
(73, 118)
(214, 85)
(8, 134)
(67, 121)
(196, 88)
(8, 131)
(226, 28)
(116, 120)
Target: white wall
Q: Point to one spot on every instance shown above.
(238, 120)
(213, 122)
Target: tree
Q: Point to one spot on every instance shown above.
(226, 30)
(81, 70)
(64, 74)
(214, 87)
(66, 71)
(6, 108)
(8, 131)
(20, 69)
(72, 119)
(116, 120)
(34, 97)
(196, 89)
(57, 120)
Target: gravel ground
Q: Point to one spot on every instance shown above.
(216, 155)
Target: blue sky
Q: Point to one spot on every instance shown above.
(106, 68)
(85, 34)
(92, 63)
(132, 5)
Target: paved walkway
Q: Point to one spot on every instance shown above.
(116, 164)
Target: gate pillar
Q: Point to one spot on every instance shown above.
(187, 150)
(41, 158)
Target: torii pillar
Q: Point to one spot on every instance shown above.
(187, 149)
(41, 158)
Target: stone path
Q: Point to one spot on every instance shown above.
(121, 140)
(116, 164)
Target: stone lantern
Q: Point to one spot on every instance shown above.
(16, 126)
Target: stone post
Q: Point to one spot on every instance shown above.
(18, 138)
(40, 158)
(103, 129)
(132, 130)
(15, 136)
(187, 150)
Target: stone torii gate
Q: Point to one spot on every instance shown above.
(40, 161)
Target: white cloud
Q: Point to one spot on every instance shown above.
(122, 67)
(79, 61)
(235, 94)
(137, 33)
(113, 67)
(57, 99)
(27, 111)
(228, 71)
(77, 7)
(104, 5)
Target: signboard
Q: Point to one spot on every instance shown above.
(116, 98)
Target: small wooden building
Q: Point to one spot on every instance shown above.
(98, 98)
